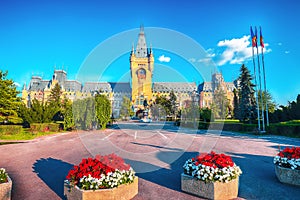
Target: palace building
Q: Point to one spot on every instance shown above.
(141, 90)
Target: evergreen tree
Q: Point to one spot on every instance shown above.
(247, 103)
(9, 102)
(103, 110)
(54, 103)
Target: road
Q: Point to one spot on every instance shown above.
(156, 151)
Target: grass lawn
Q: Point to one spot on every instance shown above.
(25, 135)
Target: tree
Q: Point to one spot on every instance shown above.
(247, 103)
(173, 100)
(9, 102)
(221, 103)
(236, 110)
(165, 104)
(84, 113)
(67, 113)
(267, 97)
(103, 110)
(126, 110)
(54, 103)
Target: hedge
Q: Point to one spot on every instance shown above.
(10, 129)
(44, 127)
(284, 129)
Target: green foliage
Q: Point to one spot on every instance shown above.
(172, 100)
(287, 113)
(126, 110)
(206, 115)
(236, 106)
(67, 112)
(37, 113)
(3, 176)
(103, 110)
(44, 127)
(10, 129)
(285, 129)
(54, 103)
(220, 104)
(247, 103)
(84, 113)
(9, 102)
(165, 104)
(266, 98)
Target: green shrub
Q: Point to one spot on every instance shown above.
(44, 127)
(284, 129)
(10, 129)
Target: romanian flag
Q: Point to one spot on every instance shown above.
(253, 37)
(261, 39)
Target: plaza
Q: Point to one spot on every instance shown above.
(156, 151)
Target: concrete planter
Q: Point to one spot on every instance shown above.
(212, 190)
(122, 192)
(287, 175)
(5, 190)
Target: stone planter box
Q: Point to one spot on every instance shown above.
(287, 175)
(212, 190)
(122, 192)
(5, 190)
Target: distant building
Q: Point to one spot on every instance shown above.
(207, 89)
(141, 88)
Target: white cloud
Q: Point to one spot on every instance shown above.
(236, 50)
(163, 58)
(17, 84)
(279, 43)
(287, 52)
(192, 60)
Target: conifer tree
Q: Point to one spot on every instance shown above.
(9, 101)
(247, 103)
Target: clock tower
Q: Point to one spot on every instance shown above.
(141, 67)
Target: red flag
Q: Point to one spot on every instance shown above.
(253, 37)
(261, 39)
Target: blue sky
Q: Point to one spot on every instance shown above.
(37, 35)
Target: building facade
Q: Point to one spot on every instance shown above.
(142, 90)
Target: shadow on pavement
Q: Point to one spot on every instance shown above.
(259, 180)
(170, 178)
(53, 172)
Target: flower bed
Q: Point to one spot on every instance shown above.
(288, 158)
(212, 167)
(102, 173)
(287, 166)
(5, 185)
(212, 176)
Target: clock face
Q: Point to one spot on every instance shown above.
(141, 73)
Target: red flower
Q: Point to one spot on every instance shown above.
(97, 166)
(214, 160)
(293, 152)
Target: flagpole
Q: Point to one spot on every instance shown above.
(258, 115)
(261, 97)
(265, 84)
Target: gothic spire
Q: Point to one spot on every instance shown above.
(141, 47)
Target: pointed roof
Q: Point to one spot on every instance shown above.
(141, 47)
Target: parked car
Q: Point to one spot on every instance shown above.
(146, 120)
